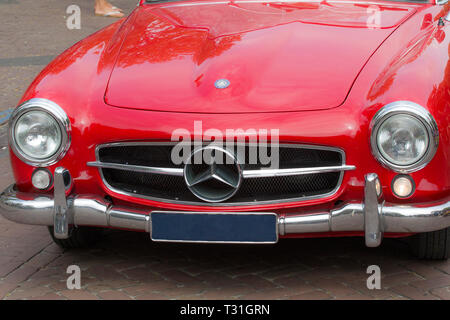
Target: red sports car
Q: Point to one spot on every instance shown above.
(243, 122)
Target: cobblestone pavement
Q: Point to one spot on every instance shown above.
(127, 265)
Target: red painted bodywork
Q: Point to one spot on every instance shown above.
(277, 57)
(315, 71)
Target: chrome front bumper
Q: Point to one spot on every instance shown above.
(373, 215)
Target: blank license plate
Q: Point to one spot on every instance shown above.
(214, 227)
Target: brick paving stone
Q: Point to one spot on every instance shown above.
(282, 271)
(161, 285)
(180, 277)
(397, 298)
(399, 278)
(443, 266)
(358, 296)
(256, 282)
(270, 294)
(247, 269)
(121, 283)
(193, 270)
(179, 292)
(28, 293)
(139, 289)
(21, 274)
(141, 274)
(219, 279)
(65, 260)
(433, 283)
(379, 294)
(312, 295)
(424, 270)
(159, 267)
(114, 295)
(33, 283)
(7, 267)
(227, 293)
(6, 288)
(49, 272)
(151, 296)
(102, 272)
(319, 273)
(391, 268)
(196, 297)
(334, 287)
(442, 293)
(413, 293)
(48, 296)
(97, 287)
(53, 248)
(42, 259)
(343, 276)
(58, 285)
(295, 283)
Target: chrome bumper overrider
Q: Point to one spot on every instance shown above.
(373, 215)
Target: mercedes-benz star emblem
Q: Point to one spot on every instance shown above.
(216, 179)
(222, 83)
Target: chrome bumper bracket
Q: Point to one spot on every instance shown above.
(372, 212)
(62, 215)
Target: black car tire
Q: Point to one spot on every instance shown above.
(80, 237)
(433, 245)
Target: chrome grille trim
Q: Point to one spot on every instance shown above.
(266, 173)
(247, 174)
(251, 174)
(134, 168)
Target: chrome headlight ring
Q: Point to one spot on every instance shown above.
(419, 113)
(55, 112)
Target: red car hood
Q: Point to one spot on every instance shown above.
(276, 56)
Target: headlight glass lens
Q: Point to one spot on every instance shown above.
(402, 139)
(37, 135)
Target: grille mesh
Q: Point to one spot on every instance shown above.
(173, 188)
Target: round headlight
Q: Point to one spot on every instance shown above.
(402, 139)
(404, 136)
(39, 132)
(37, 135)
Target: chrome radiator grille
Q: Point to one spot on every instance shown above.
(145, 170)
